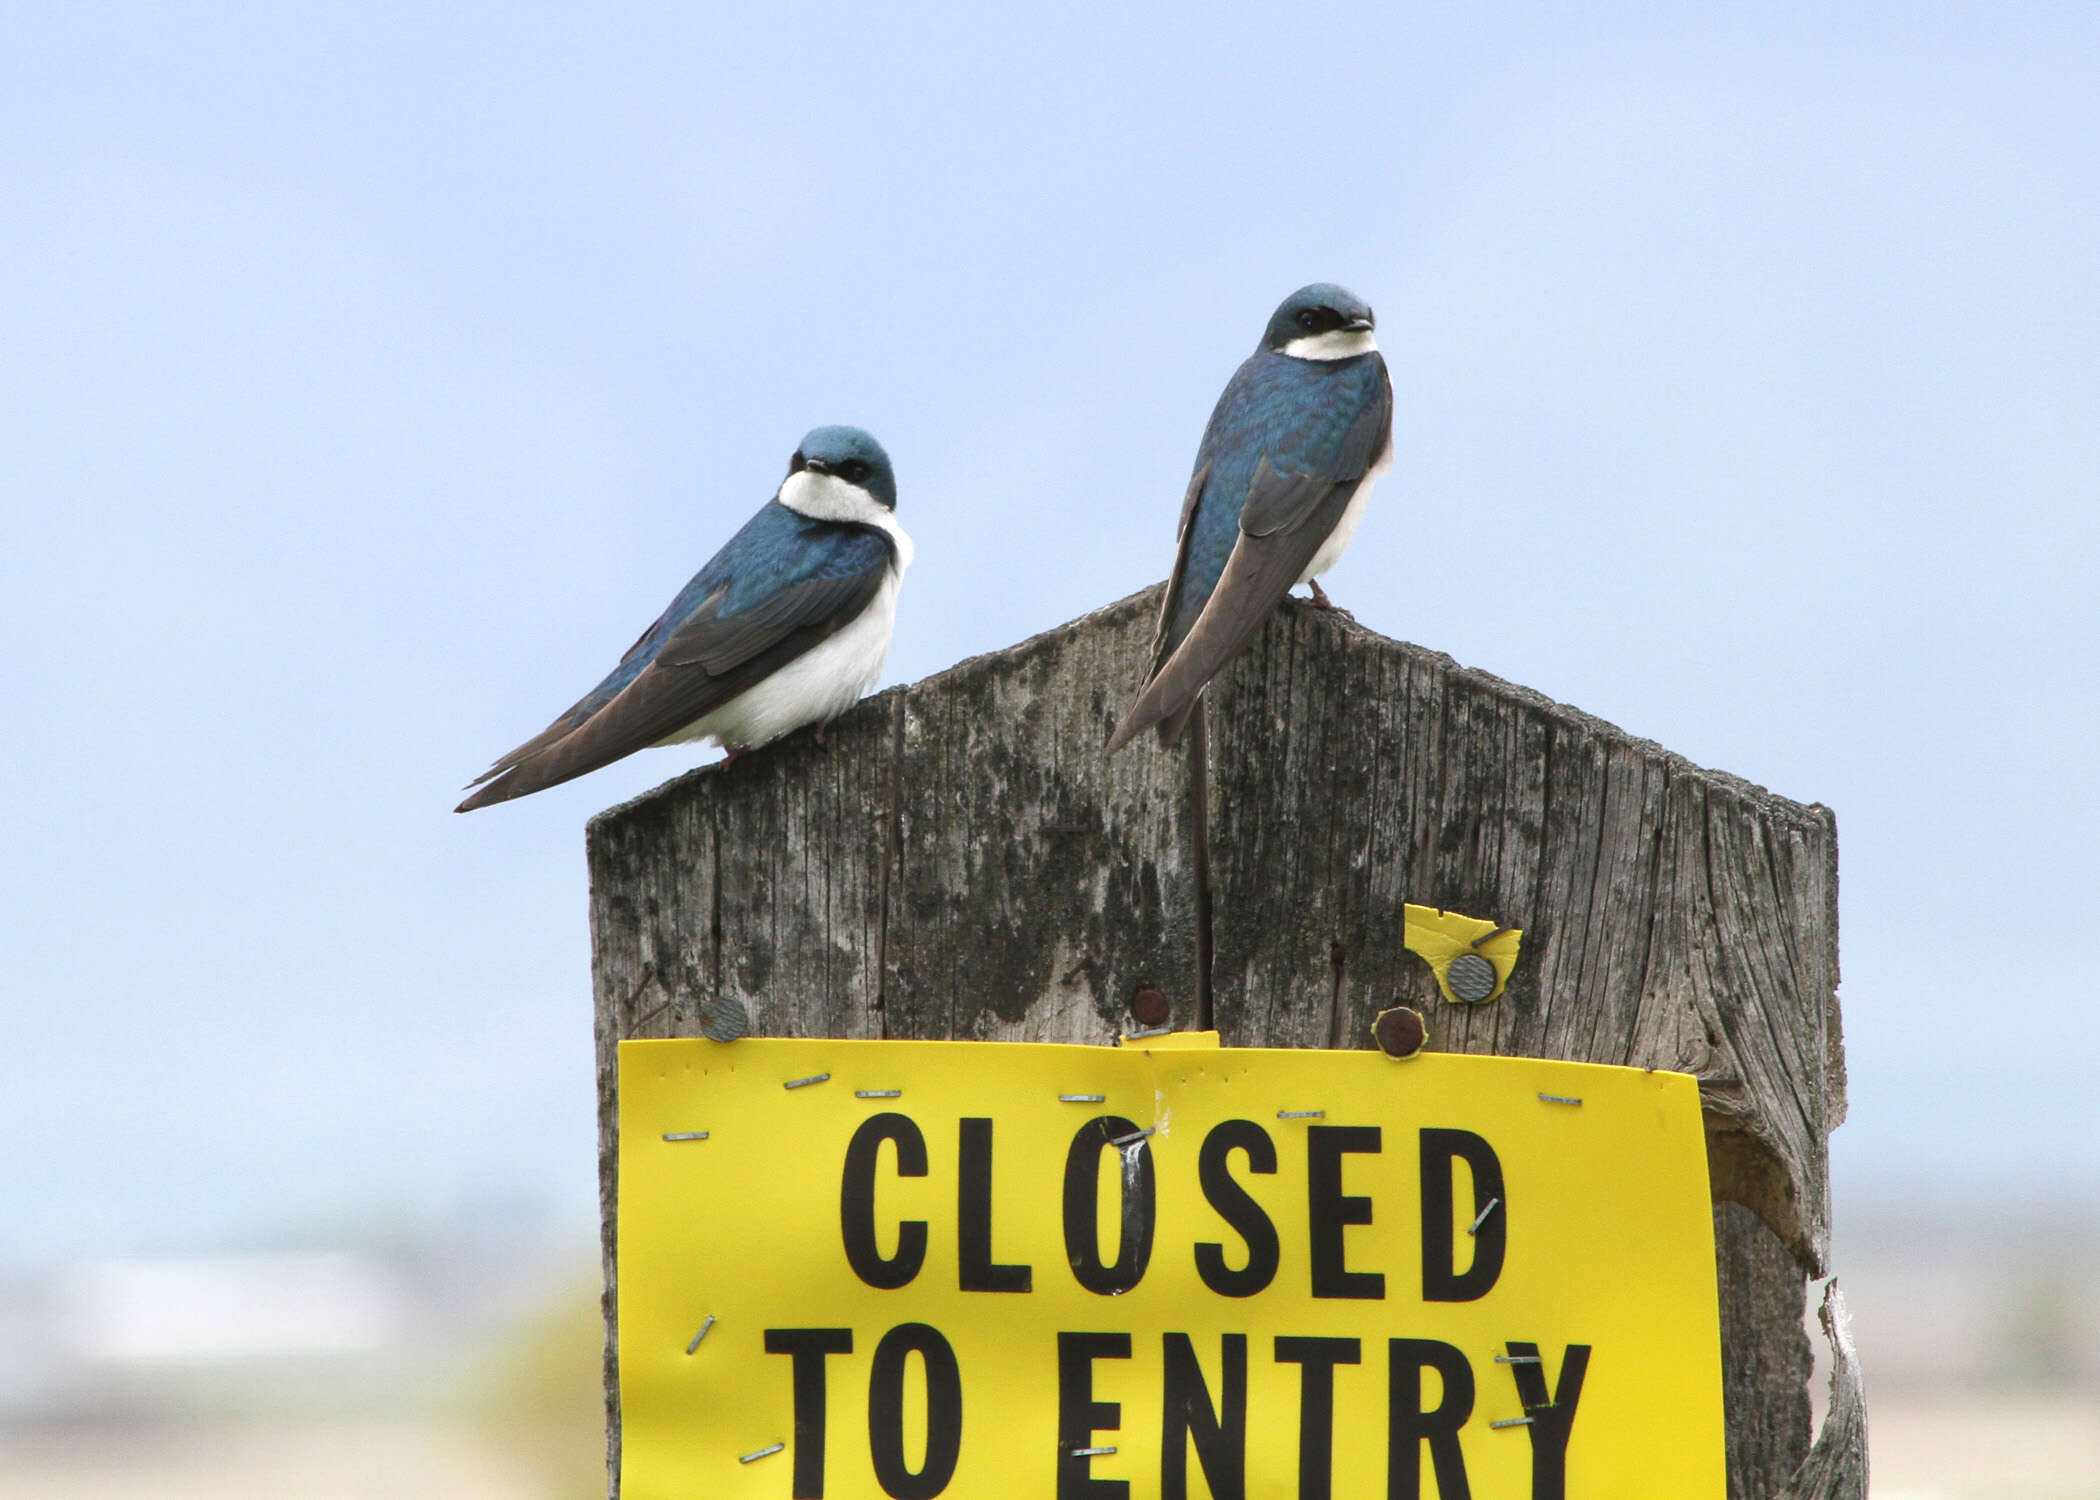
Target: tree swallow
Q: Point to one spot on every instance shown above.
(787, 625)
(1303, 430)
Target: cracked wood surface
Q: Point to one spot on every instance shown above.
(958, 859)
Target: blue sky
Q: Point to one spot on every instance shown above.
(368, 377)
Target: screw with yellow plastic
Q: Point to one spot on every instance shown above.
(1471, 958)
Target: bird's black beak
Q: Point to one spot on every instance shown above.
(817, 465)
(1357, 325)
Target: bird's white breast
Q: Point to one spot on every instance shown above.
(822, 683)
(826, 680)
(1337, 541)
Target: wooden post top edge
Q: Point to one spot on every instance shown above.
(1811, 817)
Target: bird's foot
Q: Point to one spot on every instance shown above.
(1319, 600)
(731, 754)
(817, 734)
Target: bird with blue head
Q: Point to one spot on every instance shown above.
(786, 626)
(1302, 431)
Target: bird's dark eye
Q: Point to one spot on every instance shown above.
(1308, 319)
(854, 470)
(798, 463)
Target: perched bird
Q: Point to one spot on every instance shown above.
(787, 625)
(1304, 428)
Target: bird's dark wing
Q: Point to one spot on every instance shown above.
(752, 622)
(1310, 446)
(1177, 581)
(719, 641)
(1259, 573)
(1294, 479)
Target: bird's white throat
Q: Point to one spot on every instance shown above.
(1335, 343)
(826, 497)
(832, 498)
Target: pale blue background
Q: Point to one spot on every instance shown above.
(368, 378)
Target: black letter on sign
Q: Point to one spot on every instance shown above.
(1221, 1441)
(886, 1412)
(1080, 1416)
(1316, 1407)
(1408, 1426)
(1237, 1209)
(809, 1346)
(1549, 1424)
(1439, 1238)
(1082, 1223)
(857, 1202)
(973, 1216)
(1331, 1211)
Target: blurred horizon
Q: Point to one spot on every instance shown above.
(466, 1364)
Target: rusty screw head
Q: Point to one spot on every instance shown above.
(1400, 1032)
(1471, 977)
(1149, 1007)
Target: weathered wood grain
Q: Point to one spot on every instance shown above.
(1836, 1468)
(1673, 917)
(1038, 882)
(1765, 1360)
(959, 859)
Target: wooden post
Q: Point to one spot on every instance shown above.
(958, 859)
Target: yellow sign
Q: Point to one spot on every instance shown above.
(918, 1269)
